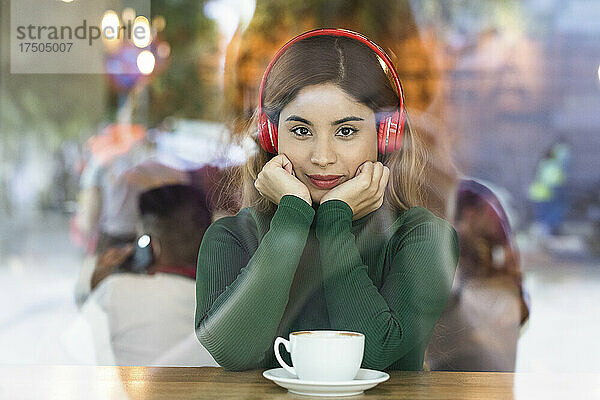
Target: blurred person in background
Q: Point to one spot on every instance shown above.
(215, 181)
(480, 327)
(488, 306)
(548, 192)
(107, 209)
(145, 294)
(122, 165)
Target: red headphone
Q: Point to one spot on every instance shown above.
(389, 136)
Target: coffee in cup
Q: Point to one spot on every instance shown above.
(326, 356)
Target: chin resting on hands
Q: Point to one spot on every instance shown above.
(363, 193)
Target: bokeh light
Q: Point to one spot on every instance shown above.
(143, 241)
(146, 62)
(163, 50)
(110, 25)
(141, 40)
(159, 23)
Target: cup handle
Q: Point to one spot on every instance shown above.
(286, 343)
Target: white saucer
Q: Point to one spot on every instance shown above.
(365, 379)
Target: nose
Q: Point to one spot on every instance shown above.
(323, 152)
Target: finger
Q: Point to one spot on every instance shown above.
(282, 161)
(383, 181)
(361, 168)
(366, 168)
(108, 261)
(288, 168)
(377, 174)
(118, 254)
(257, 187)
(366, 176)
(122, 257)
(119, 258)
(386, 176)
(287, 165)
(260, 178)
(279, 160)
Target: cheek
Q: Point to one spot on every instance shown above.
(293, 153)
(366, 151)
(369, 145)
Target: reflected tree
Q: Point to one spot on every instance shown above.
(188, 88)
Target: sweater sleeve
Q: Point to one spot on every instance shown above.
(240, 303)
(399, 316)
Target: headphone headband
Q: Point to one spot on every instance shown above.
(339, 33)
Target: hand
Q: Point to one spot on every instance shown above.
(277, 179)
(107, 262)
(364, 192)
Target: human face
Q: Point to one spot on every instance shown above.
(326, 134)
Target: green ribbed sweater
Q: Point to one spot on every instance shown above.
(386, 275)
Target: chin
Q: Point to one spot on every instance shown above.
(316, 199)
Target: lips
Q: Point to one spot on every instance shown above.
(324, 181)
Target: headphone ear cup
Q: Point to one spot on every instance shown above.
(389, 136)
(267, 134)
(382, 138)
(398, 121)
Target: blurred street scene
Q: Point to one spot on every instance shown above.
(504, 92)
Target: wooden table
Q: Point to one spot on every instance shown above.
(94, 382)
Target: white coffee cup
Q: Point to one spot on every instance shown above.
(325, 356)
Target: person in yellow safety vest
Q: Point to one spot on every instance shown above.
(547, 192)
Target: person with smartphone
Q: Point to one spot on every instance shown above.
(146, 291)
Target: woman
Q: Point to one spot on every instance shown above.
(332, 237)
(488, 305)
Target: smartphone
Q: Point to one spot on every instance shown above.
(141, 258)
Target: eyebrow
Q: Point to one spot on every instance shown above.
(337, 122)
(299, 119)
(347, 119)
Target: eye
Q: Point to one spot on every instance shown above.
(346, 131)
(300, 131)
